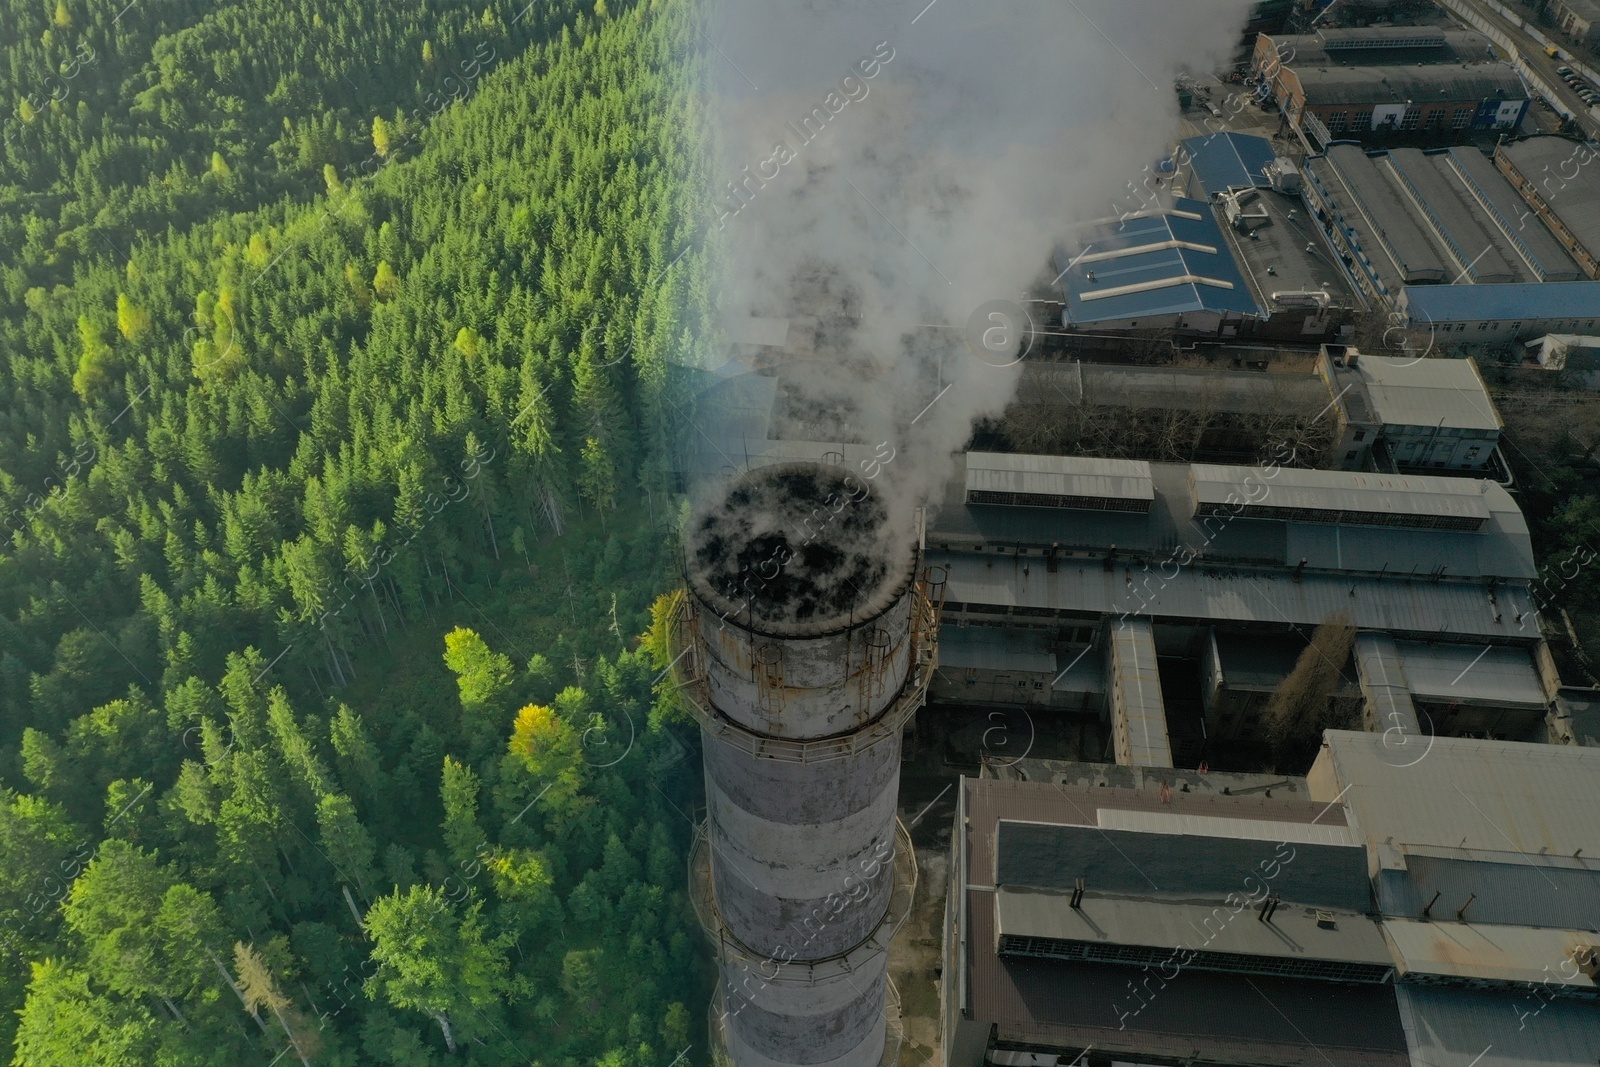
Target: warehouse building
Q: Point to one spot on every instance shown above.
(1182, 594)
(1409, 415)
(1130, 917)
(1409, 218)
(1478, 314)
(1555, 179)
(1387, 81)
(1408, 904)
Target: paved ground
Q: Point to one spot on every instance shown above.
(1533, 53)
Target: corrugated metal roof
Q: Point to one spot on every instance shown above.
(1576, 199)
(1381, 216)
(1501, 547)
(1139, 715)
(1341, 491)
(1221, 161)
(1482, 674)
(1059, 476)
(1513, 216)
(1497, 796)
(1528, 302)
(1383, 683)
(1257, 1020)
(1482, 251)
(1463, 950)
(1168, 263)
(1451, 1027)
(1219, 593)
(1427, 392)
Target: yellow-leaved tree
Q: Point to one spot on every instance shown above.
(551, 750)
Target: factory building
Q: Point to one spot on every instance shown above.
(1477, 314)
(1139, 916)
(1388, 81)
(1411, 902)
(1192, 588)
(1409, 415)
(1554, 178)
(1410, 218)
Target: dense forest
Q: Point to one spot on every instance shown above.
(340, 346)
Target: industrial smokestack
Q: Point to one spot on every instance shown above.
(807, 641)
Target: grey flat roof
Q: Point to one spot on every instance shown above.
(1428, 392)
(1293, 933)
(1478, 245)
(1576, 198)
(1451, 1026)
(1228, 594)
(1341, 491)
(1382, 217)
(1495, 796)
(1513, 216)
(1281, 243)
(1065, 476)
(1394, 83)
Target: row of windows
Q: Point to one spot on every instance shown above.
(1431, 119)
(1573, 325)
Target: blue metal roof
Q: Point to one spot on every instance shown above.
(1526, 301)
(1220, 160)
(1170, 263)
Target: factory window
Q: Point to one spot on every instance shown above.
(1483, 325)
(1361, 435)
(1472, 454)
(1348, 456)
(1337, 121)
(1038, 685)
(1435, 118)
(1460, 119)
(1413, 116)
(1362, 123)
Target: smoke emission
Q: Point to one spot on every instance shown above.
(886, 166)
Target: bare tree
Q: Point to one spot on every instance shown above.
(1301, 708)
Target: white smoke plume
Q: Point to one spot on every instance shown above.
(891, 165)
